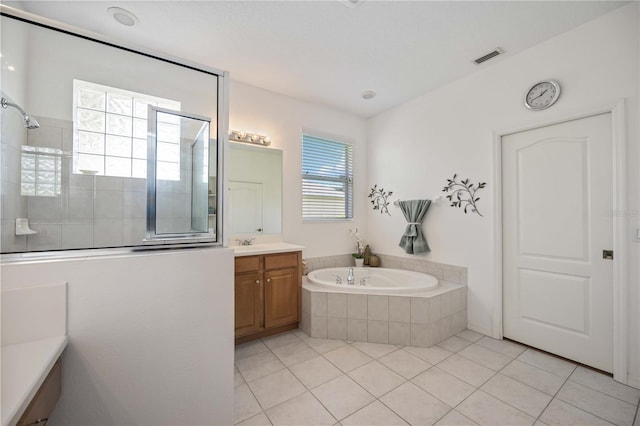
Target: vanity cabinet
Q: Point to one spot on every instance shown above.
(267, 294)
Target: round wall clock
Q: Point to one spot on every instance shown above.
(542, 95)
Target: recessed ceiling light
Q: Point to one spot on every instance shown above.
(368, 94)
(123, 16)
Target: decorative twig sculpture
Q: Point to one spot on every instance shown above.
(463, 193)
(380, 199)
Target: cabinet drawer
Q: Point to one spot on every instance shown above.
(248, 264)
(277, 261)
(44, 402)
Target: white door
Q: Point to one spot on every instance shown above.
(557, 203)
(246, 207)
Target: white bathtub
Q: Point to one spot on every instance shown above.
(376, 280)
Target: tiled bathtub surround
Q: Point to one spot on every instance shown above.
(450, 273)
(422, 320)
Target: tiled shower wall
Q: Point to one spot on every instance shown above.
(91, 211)
(451, 273)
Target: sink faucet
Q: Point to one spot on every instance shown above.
(350, 277)
(246, 242)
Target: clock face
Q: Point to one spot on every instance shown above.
(542, 95)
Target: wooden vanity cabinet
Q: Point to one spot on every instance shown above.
(267, 294)
(45, 400)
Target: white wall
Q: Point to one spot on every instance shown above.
(415, 147)
(282, 118)
(150, 336)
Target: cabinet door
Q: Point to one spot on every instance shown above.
(281, 297)
(248, 303)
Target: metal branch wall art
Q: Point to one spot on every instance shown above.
(380, 199)
(463, 193)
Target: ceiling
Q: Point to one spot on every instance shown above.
(329, 52)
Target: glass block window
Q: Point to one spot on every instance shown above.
(327, 179)
(40, 171)
(110, 133)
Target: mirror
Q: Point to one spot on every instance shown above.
(255, 189)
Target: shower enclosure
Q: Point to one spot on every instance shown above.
(103, 146)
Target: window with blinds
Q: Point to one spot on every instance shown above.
(327, 179)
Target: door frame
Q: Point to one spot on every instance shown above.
(620, 283)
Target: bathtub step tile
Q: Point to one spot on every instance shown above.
(378, 332)
(374, 350)
(377, 308)
(315, 372)
(337, 305)
(399, 309)
(357, 306)
(432, 355)
(405, 364)
(337, 328)
(357, 329)
(347, 358)
(415, 405)
(376, 378)
(324, 345)
(399, 333)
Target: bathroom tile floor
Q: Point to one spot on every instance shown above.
(292, 379)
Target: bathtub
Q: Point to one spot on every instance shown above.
(374, 280)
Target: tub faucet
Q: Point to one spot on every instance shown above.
(350, 278)
(338, 279)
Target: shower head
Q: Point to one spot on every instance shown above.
(29, 121)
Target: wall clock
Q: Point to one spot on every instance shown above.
(542, 95)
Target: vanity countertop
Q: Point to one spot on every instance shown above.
(24, 368)
(269, 248)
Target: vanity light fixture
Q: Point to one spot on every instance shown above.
(238, 136)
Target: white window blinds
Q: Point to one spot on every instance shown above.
(327, 179)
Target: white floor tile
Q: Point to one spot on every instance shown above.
(237, 378)
(294, 353)
(324, 345)
(454, 344)
(443, 386)
(375, 350)
(534, 377)
(597, 403)
(561, 413)
(484, 409)
(259, 365)
(303, 409)
(483, 356)
(469, 335)
(605, 384)
(415, 405)
(300, 334)
(505, 347)
(521, 396)
(432, 355)
(276, 388)
(278, 340)
(550, 363)
(315, 372)
(342, 396)
(376, 378)
(347, 358)
(257, 420)
(404, 363)
(244, 404)
(374, 414)
(250, 348)
(455, 418)
(469, 371)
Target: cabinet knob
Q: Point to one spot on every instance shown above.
(268, 280)
(257, 281)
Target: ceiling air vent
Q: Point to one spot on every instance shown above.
(497, 51)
